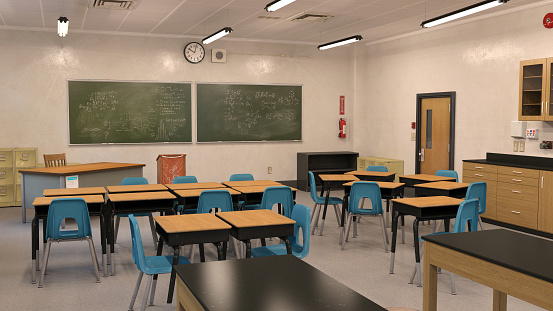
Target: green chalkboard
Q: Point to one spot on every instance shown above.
(240, 112)
(129, 112)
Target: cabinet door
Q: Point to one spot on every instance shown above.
(533, 82)
(545, 209)
(549, 91)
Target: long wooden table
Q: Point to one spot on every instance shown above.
(510, 262)
(34, 181)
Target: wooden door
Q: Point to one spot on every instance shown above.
(545, 206)
(435, 134)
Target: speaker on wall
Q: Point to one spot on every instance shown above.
(218, 55)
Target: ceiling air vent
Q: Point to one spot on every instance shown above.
(113, 4)
(310, 17)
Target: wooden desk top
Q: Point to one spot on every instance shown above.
(242, 183)
(140, 196)
(254, 218)
(81, 168)
(338, 177)
(74, 191)
(136, 188)
(370, 173)
(199, 185)
(381, 184)
(422, 202)
(191, 223)
(42, 201)
(255, 189)
(427, 177)
(443, 185)
(196, 192)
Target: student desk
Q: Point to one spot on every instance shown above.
(136, 188)
(510, 262)
(189, 198)
(95, 205)
(373, 176)
(329, 181)
(134, 202)
(34, 181)
(254, 194)
(423, 208)
(74, 191)
(242, 183)
(266, 283)
(411, 180)
(257, 224)
(177, 230)
(199, 185)
(442, 188)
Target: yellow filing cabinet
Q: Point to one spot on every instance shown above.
(393, 165)
(11, 161)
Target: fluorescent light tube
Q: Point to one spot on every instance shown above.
(63, 26)
(475, 8)
(336, 43)
(218, 35)
(277, 4)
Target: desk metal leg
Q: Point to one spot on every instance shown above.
(343, 219)
(395, 217)
(248, 248)
(324, 211)
(288, 245)
(202, 252)
(103, 241)
(34, 248)
(173, 273)
(417, 251)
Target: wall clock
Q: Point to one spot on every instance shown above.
(194, 52)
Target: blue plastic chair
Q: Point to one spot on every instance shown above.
(59, 210)
(135, 181)
(478, 190)
(149, 265)
(448, 173)
(300, 213)
(278, 195)
(466, 214)
(360, 191)
(376, 168)
(319, 202)
(241, 177)
(184, 180)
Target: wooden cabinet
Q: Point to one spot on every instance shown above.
(545, 210)
(337, 162)
(475, 172)
(11, 162)
(518, 196)
(536, 87)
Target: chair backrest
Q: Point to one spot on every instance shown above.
(185, 180)
(302, 215)
(376, 168)
(365, 189)
(210, 199)
(477, 190)
(313, 187)
(276, 195)
(52, 160)
(60, 209)
(134, 181)
(240, 177)
(448, 173)
(468, 211)
(137, 248)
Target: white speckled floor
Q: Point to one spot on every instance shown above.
(363, 265)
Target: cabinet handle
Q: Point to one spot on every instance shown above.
(516, 191)
(479, 175)
(542, 182)
(479, 167)
(3, 194)
(516, 180)
(541, 107)
(515, 172)
(515, 212)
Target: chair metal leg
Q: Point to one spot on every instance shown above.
(153, 228)
(145, 298)
(94, 258)
(384, 234)
(153, 292)
(336, 208)
(136, 288)
(348, 226)
(317, 213)
(117, 219)
(413, 275)
(192, 252)
(44, 263)
(452, 278)
(480, 222)
(313, 214)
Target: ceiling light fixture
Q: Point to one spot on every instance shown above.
(63, 26)
(277, 4)
(336, 43)
(218, 35)
(475, 8)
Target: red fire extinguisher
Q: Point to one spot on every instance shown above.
(342, 126)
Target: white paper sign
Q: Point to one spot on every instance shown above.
(72, 181)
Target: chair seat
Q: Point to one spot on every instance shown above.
(366, 212)
(278, 249)
(331, 200)
(162, 264)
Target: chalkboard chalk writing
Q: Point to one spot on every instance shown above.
(129, 112)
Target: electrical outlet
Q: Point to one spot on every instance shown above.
(269, 169)
(546, 145)
(413, 136)
(521, 146)
(515, 146)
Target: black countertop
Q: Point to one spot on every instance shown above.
(530, 162)
(270, 284)
(524, 253)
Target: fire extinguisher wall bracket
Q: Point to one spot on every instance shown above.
(342, 128)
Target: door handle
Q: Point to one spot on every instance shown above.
(421, 155)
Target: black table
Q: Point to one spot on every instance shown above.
(411, 180)
(441, 188)
(510, 262)
(423, 208)
(268, 283)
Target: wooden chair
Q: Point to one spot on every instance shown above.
(52, 160)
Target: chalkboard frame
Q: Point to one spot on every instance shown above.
(195, 112)
(190, 104)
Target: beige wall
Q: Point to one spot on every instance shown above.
(479, 60)
(33, 92)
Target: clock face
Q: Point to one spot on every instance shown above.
(194, 52)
